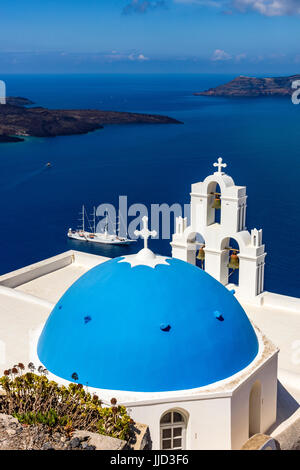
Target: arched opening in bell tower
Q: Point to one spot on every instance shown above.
(200, 253)
(230, 260)
(197, 243)
(214, 203)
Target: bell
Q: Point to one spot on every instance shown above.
(234, 261)
(217, 202)
(201, 254)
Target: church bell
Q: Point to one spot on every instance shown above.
(201, 254)
(217, 202)
(234, 261)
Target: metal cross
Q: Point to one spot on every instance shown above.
(145, 233)
(220, 165)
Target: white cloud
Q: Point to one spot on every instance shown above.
(219, 55)
(240, 57)
(264, 7)
(142, 6)
(139, 57)
(210, 3)
(269, 7)
(116, 56)
(142, 57)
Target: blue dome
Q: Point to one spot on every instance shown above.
(172, 327)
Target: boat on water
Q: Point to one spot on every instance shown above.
(92, 236)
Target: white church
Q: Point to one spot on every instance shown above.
(192, 355)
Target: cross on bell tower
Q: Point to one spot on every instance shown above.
(145, 233)
(220, 165)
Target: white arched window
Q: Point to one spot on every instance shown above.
(172, 431)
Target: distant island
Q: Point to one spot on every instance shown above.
(250, 86)
(18, 101)
(18, 121)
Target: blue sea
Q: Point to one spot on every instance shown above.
(258, 138)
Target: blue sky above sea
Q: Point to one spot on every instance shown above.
(150, 36)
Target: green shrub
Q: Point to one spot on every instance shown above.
(34, 399)
(50, 418)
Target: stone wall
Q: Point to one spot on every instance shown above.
(288, 433)
(261, 442)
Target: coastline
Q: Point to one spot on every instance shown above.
(17, 122)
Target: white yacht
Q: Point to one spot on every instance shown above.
(96, 237)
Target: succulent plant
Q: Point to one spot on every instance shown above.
(34, 399)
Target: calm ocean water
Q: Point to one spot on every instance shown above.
(258, 139)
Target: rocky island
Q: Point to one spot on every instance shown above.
(250, 86)
(18, 121)
(18, 101)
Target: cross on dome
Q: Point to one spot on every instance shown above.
(220, 165)
(145, 257)
(145, 233)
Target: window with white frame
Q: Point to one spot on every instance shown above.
(172, 431)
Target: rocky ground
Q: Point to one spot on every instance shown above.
(251, 86)
(15, 436)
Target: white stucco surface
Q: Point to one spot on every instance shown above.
(51, 286)
(18, 319)
(25, 307)
(282, 326)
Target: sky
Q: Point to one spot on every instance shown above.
(150, 36)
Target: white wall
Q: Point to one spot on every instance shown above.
(267, 376)
(208, 422)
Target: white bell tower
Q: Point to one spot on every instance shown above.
(2, 92)
(216, 236)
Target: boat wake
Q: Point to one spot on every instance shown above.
(23, 179)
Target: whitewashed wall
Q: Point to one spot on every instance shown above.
(267, 376)
(208, 422)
